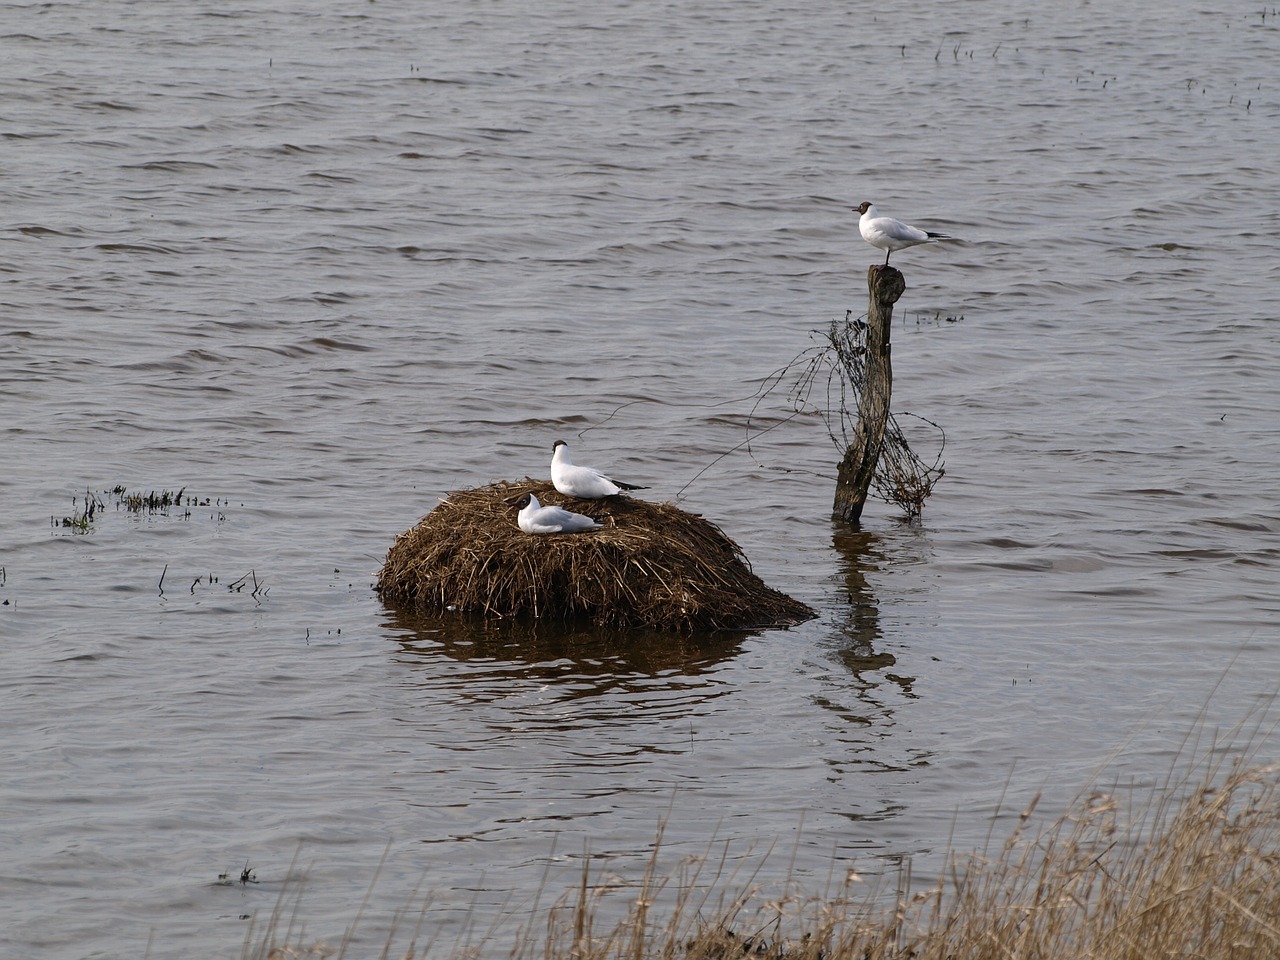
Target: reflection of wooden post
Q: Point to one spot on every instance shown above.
(885, 285)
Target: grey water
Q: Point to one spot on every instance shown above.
(318, 265)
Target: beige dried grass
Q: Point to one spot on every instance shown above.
(653, 565)
(1193, 873)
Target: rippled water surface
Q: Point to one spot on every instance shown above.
(321, 263)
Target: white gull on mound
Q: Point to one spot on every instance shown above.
(535, 518)
(585, 483)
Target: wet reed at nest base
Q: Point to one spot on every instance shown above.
(652, 565)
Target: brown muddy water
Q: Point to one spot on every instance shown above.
(320, 264)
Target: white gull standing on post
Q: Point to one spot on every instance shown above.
(535, 518)
(586, 483)
(889, 234)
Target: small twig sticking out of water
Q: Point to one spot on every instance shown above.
(80, 521)
(247, 876)
(160, 585)
(259, 591)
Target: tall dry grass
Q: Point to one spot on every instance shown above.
(1191, 871)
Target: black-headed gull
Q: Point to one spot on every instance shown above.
(535, 518)
(889, 234)
(586, 483)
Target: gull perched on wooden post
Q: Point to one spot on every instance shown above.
(889, 234)
(586, 483)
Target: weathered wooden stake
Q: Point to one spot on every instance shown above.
(885, 284)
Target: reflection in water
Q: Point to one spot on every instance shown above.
(527, 648)
(521, 728)
(860, 552)
(619, 677)
(864, 709)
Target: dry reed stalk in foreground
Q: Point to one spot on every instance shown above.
(1196, 874)
(653, 565)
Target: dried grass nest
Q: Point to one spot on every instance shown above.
(653, 565)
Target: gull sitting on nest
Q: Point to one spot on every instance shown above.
(535, 518)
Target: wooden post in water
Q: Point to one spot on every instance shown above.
(885, 284)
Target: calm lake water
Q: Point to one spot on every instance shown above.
(319, 264)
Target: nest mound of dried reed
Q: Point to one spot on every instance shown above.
(653, 565)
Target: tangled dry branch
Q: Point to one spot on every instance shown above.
(828, 379)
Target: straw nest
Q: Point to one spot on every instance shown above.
(653, 565)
